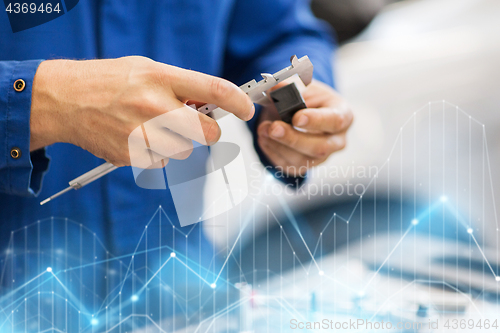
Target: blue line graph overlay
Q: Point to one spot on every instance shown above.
(57, 276)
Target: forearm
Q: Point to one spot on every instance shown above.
(45, 106)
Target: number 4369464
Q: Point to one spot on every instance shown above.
(32, 8)
(471, 324)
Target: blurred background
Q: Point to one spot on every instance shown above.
(348, 17)
(437, 57)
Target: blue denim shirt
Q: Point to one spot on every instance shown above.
(235, 39)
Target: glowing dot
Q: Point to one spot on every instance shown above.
(470, 230)
(497, 278)
(94, 321)
(414, 222)
(135, 298)
(213, 285)
(321, 273)
(172, 254)
(49, 269)
(443, 198)
(361, 293)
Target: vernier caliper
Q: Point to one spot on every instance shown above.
(257, 91)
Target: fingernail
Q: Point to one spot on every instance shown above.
(252, 112)
(303, 120)
(278, 131)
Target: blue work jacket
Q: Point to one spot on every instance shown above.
(234, 39)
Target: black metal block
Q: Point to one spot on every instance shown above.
(288, 101)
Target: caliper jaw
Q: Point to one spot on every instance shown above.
(258, 91)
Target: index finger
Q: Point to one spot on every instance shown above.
(191, 85)
(327, 120)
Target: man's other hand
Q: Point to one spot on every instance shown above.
(317, 131)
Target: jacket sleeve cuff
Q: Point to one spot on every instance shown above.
(21, 172)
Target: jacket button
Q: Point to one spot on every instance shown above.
(15, 153)
(19, 85)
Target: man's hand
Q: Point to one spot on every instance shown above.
(97, 104)
(322, 131)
